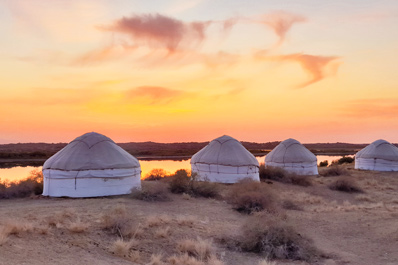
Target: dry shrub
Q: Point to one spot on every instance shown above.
(122, 248)
(298, 180)
(163, 232)
(200, 249)
(156, 259)
(186, 220)
(78, 226)
(156, 174)
(364, 198)
(151, 192)
(345, 185)
(179, 182)
(32, 185)
(290, 205)
(17, 227)
(185, 182)
(281, 175)
(186, 196)
(343, 160)
(275, 239)
(117, 221)
(273, 173)
(334, 171)
(248, 196)
(157, 220)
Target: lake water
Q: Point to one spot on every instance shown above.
(18, 173)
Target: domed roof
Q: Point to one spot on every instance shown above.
(91, 151)
(226, 151)
(379, 149)
(290, 151)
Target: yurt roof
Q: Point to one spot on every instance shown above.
(379, 149)
(225, 150)
(290, 151)
(91, 151)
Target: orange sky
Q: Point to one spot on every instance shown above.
(170, 71)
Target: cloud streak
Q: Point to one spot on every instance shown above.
(318, 67)
(372, 108)
(153, 94)
(281, 22)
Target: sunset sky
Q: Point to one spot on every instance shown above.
(173, 71)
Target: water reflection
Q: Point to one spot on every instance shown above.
(18, 173)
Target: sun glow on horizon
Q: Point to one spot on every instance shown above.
(173, 72)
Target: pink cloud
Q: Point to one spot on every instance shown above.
(318, 67)
(281, 22)
(159, 31)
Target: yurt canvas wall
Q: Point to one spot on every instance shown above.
(91, 165)
(379, 155)
(225, 160)
(293, 157)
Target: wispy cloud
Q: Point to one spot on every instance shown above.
(318, 67)
(280, 22)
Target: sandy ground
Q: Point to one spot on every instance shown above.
(350, 228)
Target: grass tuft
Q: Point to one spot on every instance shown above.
(345, 185)
(281, 175)
(152, 192)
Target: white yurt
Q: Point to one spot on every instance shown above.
(293, 157)
(91, 165)
(225, 160)
(379, 155)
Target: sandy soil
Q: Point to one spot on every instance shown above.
(350, 228)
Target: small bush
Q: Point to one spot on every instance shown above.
(156, 174)
(185, 183)
(276, 239)
(179, 182)
(201, 249)
(249, 196)
(343, 160)
(323, 163)
(117, 221)
(32, 185)
(273, 173)
(281, 175)
(334, 171)
(155, 191)
(345, 185)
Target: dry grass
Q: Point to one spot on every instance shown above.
(184, 259)
(200, 249)
(78, 226)
(3, 235)
(345, 185)
(290, 205)
(249, 196)
(157, 220)
(163, 232)
(334, 171)
(281, 175)
(276, 239)
(186, 220)
(122, 248)
(267, 262)
(156, 259)
(117, 221)
(152, 192)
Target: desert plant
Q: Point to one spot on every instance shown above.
(188, 183)
(156, 174)
(343, 160)
(276, 239)
(117, 221)
(248, 196)
(324, 163)
(333, 171)
(345, 185)
(290, 205)
(200, 248)
(154, 191)
(179, 182)
(122, 248)
(281, 175)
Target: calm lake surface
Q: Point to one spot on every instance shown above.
(18, 173)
